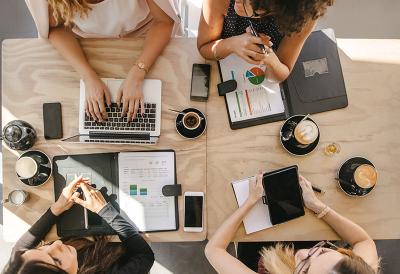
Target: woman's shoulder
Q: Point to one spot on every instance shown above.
(217, 6)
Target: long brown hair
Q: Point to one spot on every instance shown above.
(65, 10)
(280, 259)
(292, 15)
(98, 256)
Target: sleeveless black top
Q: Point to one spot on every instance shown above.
(235, 25)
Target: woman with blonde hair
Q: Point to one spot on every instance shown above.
(62, 21)
(322, 258)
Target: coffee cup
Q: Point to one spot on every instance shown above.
(16, 197)
(33, 168)
(305, 133)
(191, 120)
(365, 176)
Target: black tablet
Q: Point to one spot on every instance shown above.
(283, 194)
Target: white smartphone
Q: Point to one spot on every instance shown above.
(193, 208)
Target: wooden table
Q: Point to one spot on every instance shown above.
(369, 127)
(34, 73)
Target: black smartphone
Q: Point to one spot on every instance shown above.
(200, 82)
(52, 121)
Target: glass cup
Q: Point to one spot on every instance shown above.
(332, 149)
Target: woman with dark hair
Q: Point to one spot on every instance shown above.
(283, 27)
(321, 258)
(83, 256)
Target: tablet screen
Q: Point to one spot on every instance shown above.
(284, 196)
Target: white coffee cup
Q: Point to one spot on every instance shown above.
(26, 167)
(16, 197)
(306, 132)
(191, 120)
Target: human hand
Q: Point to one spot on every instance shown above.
(65, 201)
(130, 93)
(94, 200)
(95, 91)
(256, 188)
(247, 47)
(310, 199)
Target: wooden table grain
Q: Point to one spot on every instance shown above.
(369, 127)
(34, 73)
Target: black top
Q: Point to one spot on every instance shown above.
(137, 259)
(236, 25)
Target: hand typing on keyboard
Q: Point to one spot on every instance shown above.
(130, 94)
(140, 122)
(96, 91)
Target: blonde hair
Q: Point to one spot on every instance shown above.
(64, 10)
(280, 260)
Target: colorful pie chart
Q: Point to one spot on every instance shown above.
(255, 75)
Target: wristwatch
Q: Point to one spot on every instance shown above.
(142, 66)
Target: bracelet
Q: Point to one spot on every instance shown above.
(324, 212)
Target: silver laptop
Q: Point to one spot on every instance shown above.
(144, 129)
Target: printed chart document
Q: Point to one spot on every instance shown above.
(255, 96)
(141, 178)
(258, 217)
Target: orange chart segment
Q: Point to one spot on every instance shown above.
(255, 75)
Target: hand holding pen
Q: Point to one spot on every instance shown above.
(266, 44)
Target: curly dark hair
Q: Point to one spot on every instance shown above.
(292, 15)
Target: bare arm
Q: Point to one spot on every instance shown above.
(349, 231)
(157, 38)
(210, 44)
(67, 45)
(215, 250)
(280, 64)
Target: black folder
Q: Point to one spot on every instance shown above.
(103, 168)
(315, 84)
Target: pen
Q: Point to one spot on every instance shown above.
(254, 33)
(317, 189)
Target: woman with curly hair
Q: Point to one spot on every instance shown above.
(63, 21)
(81, 255)
(321, 258)
(283, 27)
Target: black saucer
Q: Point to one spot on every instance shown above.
(187, 133)
(346, 172)
(291, 144)
(44, 174)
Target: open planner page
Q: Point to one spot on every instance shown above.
(258, 217)
(255, 95)
(141, 178)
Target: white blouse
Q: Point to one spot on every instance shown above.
(116, 23)
(112, 18)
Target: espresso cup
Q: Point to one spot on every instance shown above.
(191, 120)
(306, 132)
(365, 176)
(16, 197)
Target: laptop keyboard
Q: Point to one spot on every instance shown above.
(145, 122)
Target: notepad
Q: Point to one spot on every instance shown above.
(258, 217)
(255, 95)
(282, 197)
